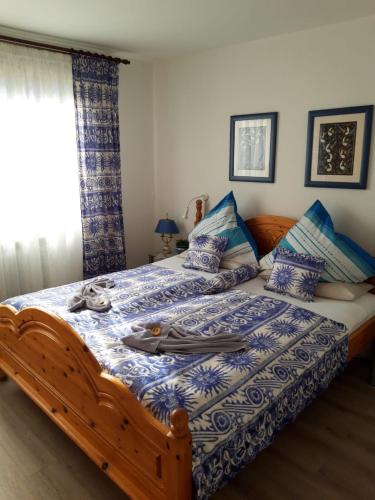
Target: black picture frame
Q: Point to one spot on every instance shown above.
(314, 149)
(269, 156)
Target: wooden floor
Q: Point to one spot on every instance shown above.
(327, 454)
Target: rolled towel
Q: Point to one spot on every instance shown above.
(92, 296)
(76, 303)
(103, 282)
(159, 338)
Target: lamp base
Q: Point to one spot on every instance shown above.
(166, 248)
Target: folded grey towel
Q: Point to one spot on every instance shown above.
(92, 296)
(157, 337)
(102, 282)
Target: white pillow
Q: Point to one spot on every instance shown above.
(342, 291)
(265, 274)
(235, 263)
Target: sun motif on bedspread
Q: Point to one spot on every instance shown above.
(167, 398)
(208, 380)
(264, 342)
(242, 361)
(283, 328)
(301, 315)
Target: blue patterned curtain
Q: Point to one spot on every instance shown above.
(96, 101)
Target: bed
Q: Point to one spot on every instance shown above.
(147, 457)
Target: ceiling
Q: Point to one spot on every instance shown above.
(158, 28)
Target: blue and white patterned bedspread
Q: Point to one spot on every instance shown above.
(236, 401)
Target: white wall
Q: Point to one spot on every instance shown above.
(136, 138)
(292, 74)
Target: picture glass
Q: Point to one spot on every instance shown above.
(252, 147)
(337, 148)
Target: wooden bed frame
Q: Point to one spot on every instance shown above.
(54, 367)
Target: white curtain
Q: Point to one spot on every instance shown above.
(40, 221)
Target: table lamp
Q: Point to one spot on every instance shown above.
(166, 228)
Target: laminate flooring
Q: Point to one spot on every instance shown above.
(328, 453)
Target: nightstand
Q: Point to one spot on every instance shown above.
(155, 257)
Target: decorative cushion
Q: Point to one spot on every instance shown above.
(224, 220)
(226, 264)
(342, 291)
(295, 274)
(205, 253)
(314, 234)
(229, 279)
(336, 291)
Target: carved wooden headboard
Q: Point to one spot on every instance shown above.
(268, 230)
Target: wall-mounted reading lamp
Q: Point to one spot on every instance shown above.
(203, 197)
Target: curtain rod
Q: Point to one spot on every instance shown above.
(56, 48)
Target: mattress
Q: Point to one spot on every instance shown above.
(352, 313)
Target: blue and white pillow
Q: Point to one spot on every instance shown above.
(228, 279)
(224, 220)
(295, 274)
(315, 235)
(205, 253)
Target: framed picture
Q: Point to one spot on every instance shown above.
(253, 147)
(338, 147)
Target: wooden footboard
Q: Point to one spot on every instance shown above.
(52, 364)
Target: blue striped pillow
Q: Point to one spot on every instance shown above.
(314, 234)
(224, 220)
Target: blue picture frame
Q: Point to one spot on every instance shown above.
(317, 149)
(264, 157)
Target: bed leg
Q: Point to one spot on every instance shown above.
(372, 376)
(3, 376)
